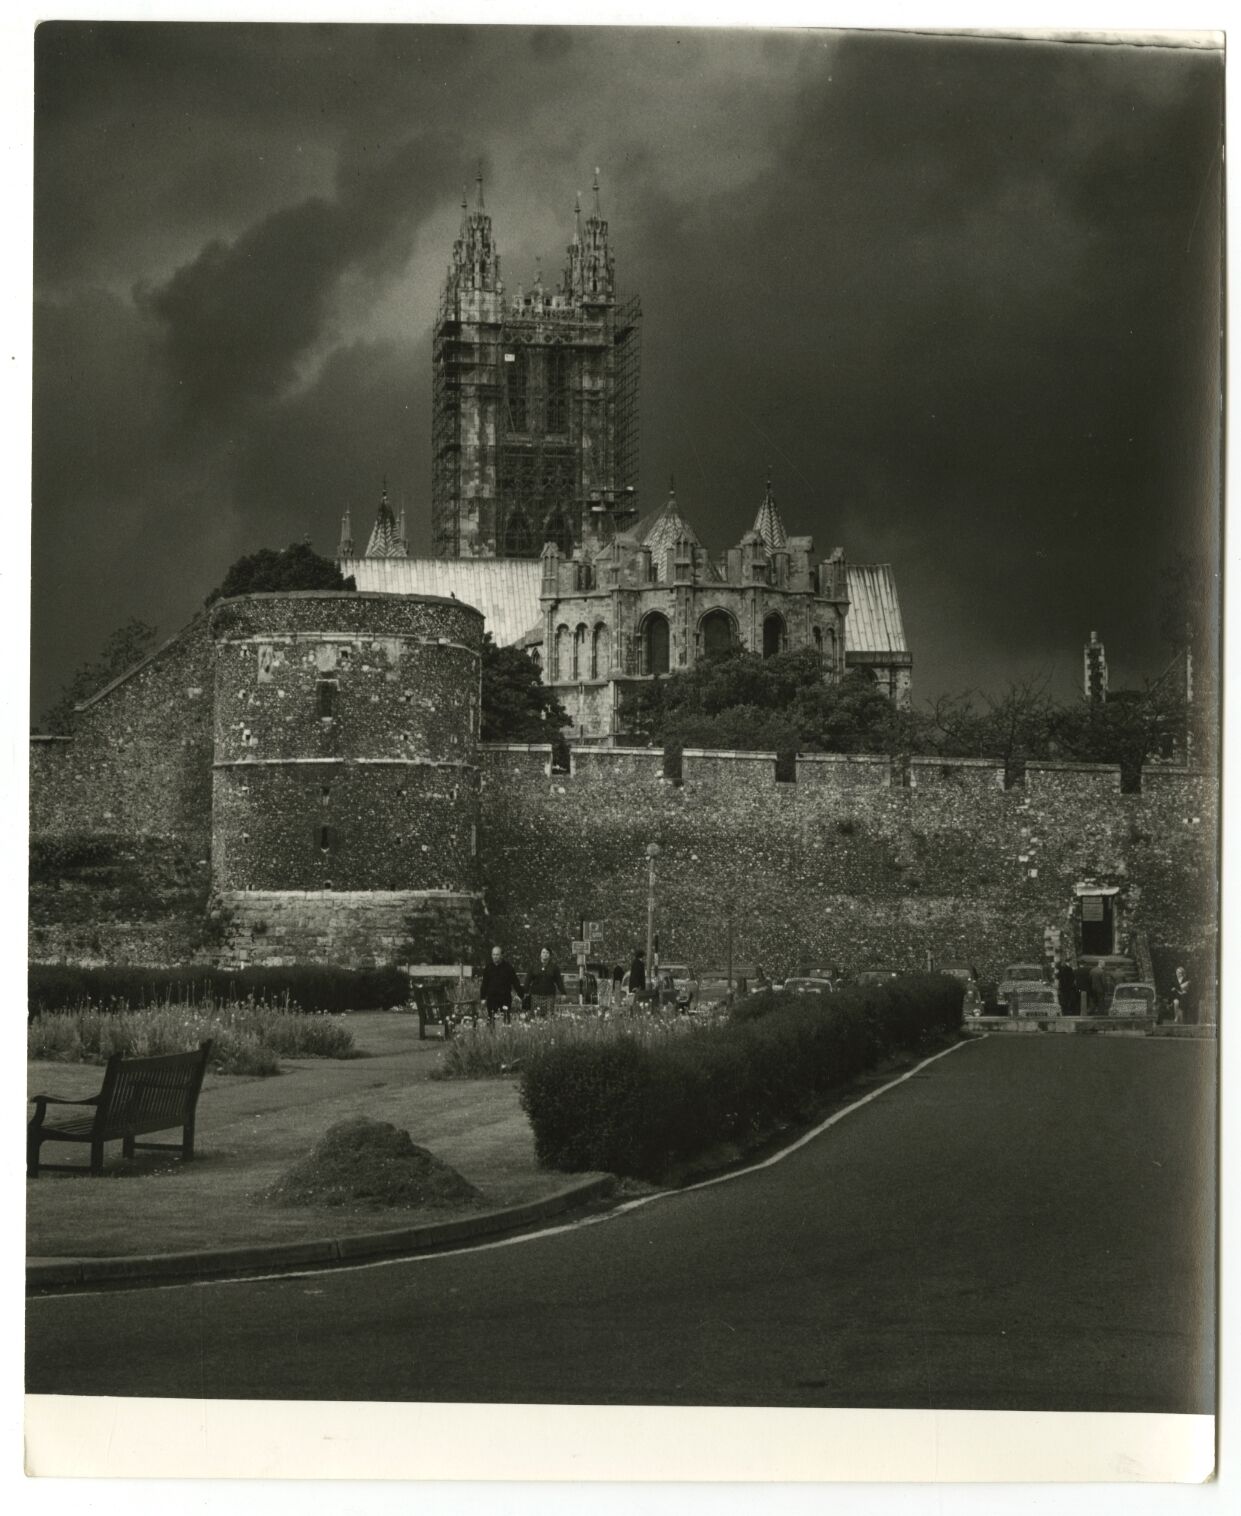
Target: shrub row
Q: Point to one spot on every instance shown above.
(306, 987)
(635, 1110)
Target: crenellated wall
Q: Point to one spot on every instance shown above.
(847, 863)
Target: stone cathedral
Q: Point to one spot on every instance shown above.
(535, 514)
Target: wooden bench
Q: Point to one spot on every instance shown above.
(434, 1009)
(139, 1095)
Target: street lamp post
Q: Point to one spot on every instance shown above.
(652, 852)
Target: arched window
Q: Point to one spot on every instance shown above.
(557, 374)
(773, 635)
(557, 529)
(561, 654)
(817, 634)
(579, 652)
(655, 644)
(515, 383)
(717, 632)
(830, 648)
(518, 538)
(600, 652)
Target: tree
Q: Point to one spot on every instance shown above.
(127, 646)
(516, 705)
(738, 699)
(296, 567)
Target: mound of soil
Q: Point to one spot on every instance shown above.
(364, 1165)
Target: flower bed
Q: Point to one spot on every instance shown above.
(248, 1036)
(480, 1050)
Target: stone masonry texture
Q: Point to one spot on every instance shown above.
(298, 778)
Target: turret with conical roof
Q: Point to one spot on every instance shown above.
(767, 522)
(387, 536)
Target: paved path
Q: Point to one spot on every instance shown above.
(1018, 1227)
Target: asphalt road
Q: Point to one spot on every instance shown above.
(1027, 1224)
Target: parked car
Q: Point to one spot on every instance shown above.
(973, 992)
(877, 976)
(584, 984)
(1021, 973)
(809, 984)
(1137, 999)
(1034, 999)
(677, 986)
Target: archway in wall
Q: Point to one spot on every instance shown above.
(656, 644)
(773, 635)
(717, 632)
(600, 652)
(561, 655)
(579, 652)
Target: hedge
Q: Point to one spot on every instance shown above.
(635, 1110)
(308, 987)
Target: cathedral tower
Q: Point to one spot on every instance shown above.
(535, 417)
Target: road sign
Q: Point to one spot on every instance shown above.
(581, 948)
(594, 929)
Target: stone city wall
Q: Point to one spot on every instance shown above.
(848, 864)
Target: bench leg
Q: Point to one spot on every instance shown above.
(187, 1142)
(33, 1143)
(96, 1157)
(127, 1146)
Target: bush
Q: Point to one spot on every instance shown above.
(636, 1110)
(307, 987)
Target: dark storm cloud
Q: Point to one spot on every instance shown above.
(960, 295)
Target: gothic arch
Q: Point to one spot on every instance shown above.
(773, 634)
(717, 632)
(656, 643)
(556, 528)
(601, 651)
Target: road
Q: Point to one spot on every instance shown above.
(1026, 1224)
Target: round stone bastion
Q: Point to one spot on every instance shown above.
(345, 777)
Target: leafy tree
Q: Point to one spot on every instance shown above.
(516, 705)
(127, 645)
(296, 567)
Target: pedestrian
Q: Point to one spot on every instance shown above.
(544, 983)
(637, 977)
(1081, 984)
(498, 986)
(1066, 985)
(1182, 997)
(1098, 989)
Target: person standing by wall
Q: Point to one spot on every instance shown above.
(1066, 986)
(1098, 990)
(637, 977)
(498, 986)
(544, 983)
(1081, 986)
(1182, 997)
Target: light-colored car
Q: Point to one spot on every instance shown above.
(1020, 973)
(809, 984)
(1137, 999)
(1033, 999)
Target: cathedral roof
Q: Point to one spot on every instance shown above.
(663, 529)
(768, 524)
(506, 590)
(874, 623)
(387, 535)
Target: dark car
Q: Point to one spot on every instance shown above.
(809, 984)
(877, 976)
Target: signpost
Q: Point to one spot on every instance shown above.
(583, 947)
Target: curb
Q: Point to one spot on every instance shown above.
(221, 1262)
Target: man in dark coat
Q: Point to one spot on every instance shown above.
(544, 983)
(637, 976)
(1098, 989)
(1081, 982)
(1066, 989)
(498, 986)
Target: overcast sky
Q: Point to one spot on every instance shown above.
(962, 296)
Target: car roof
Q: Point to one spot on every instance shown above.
(1136, 984)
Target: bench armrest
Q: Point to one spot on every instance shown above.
(61, 1100)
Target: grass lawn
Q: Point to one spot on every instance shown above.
(250, 1130)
